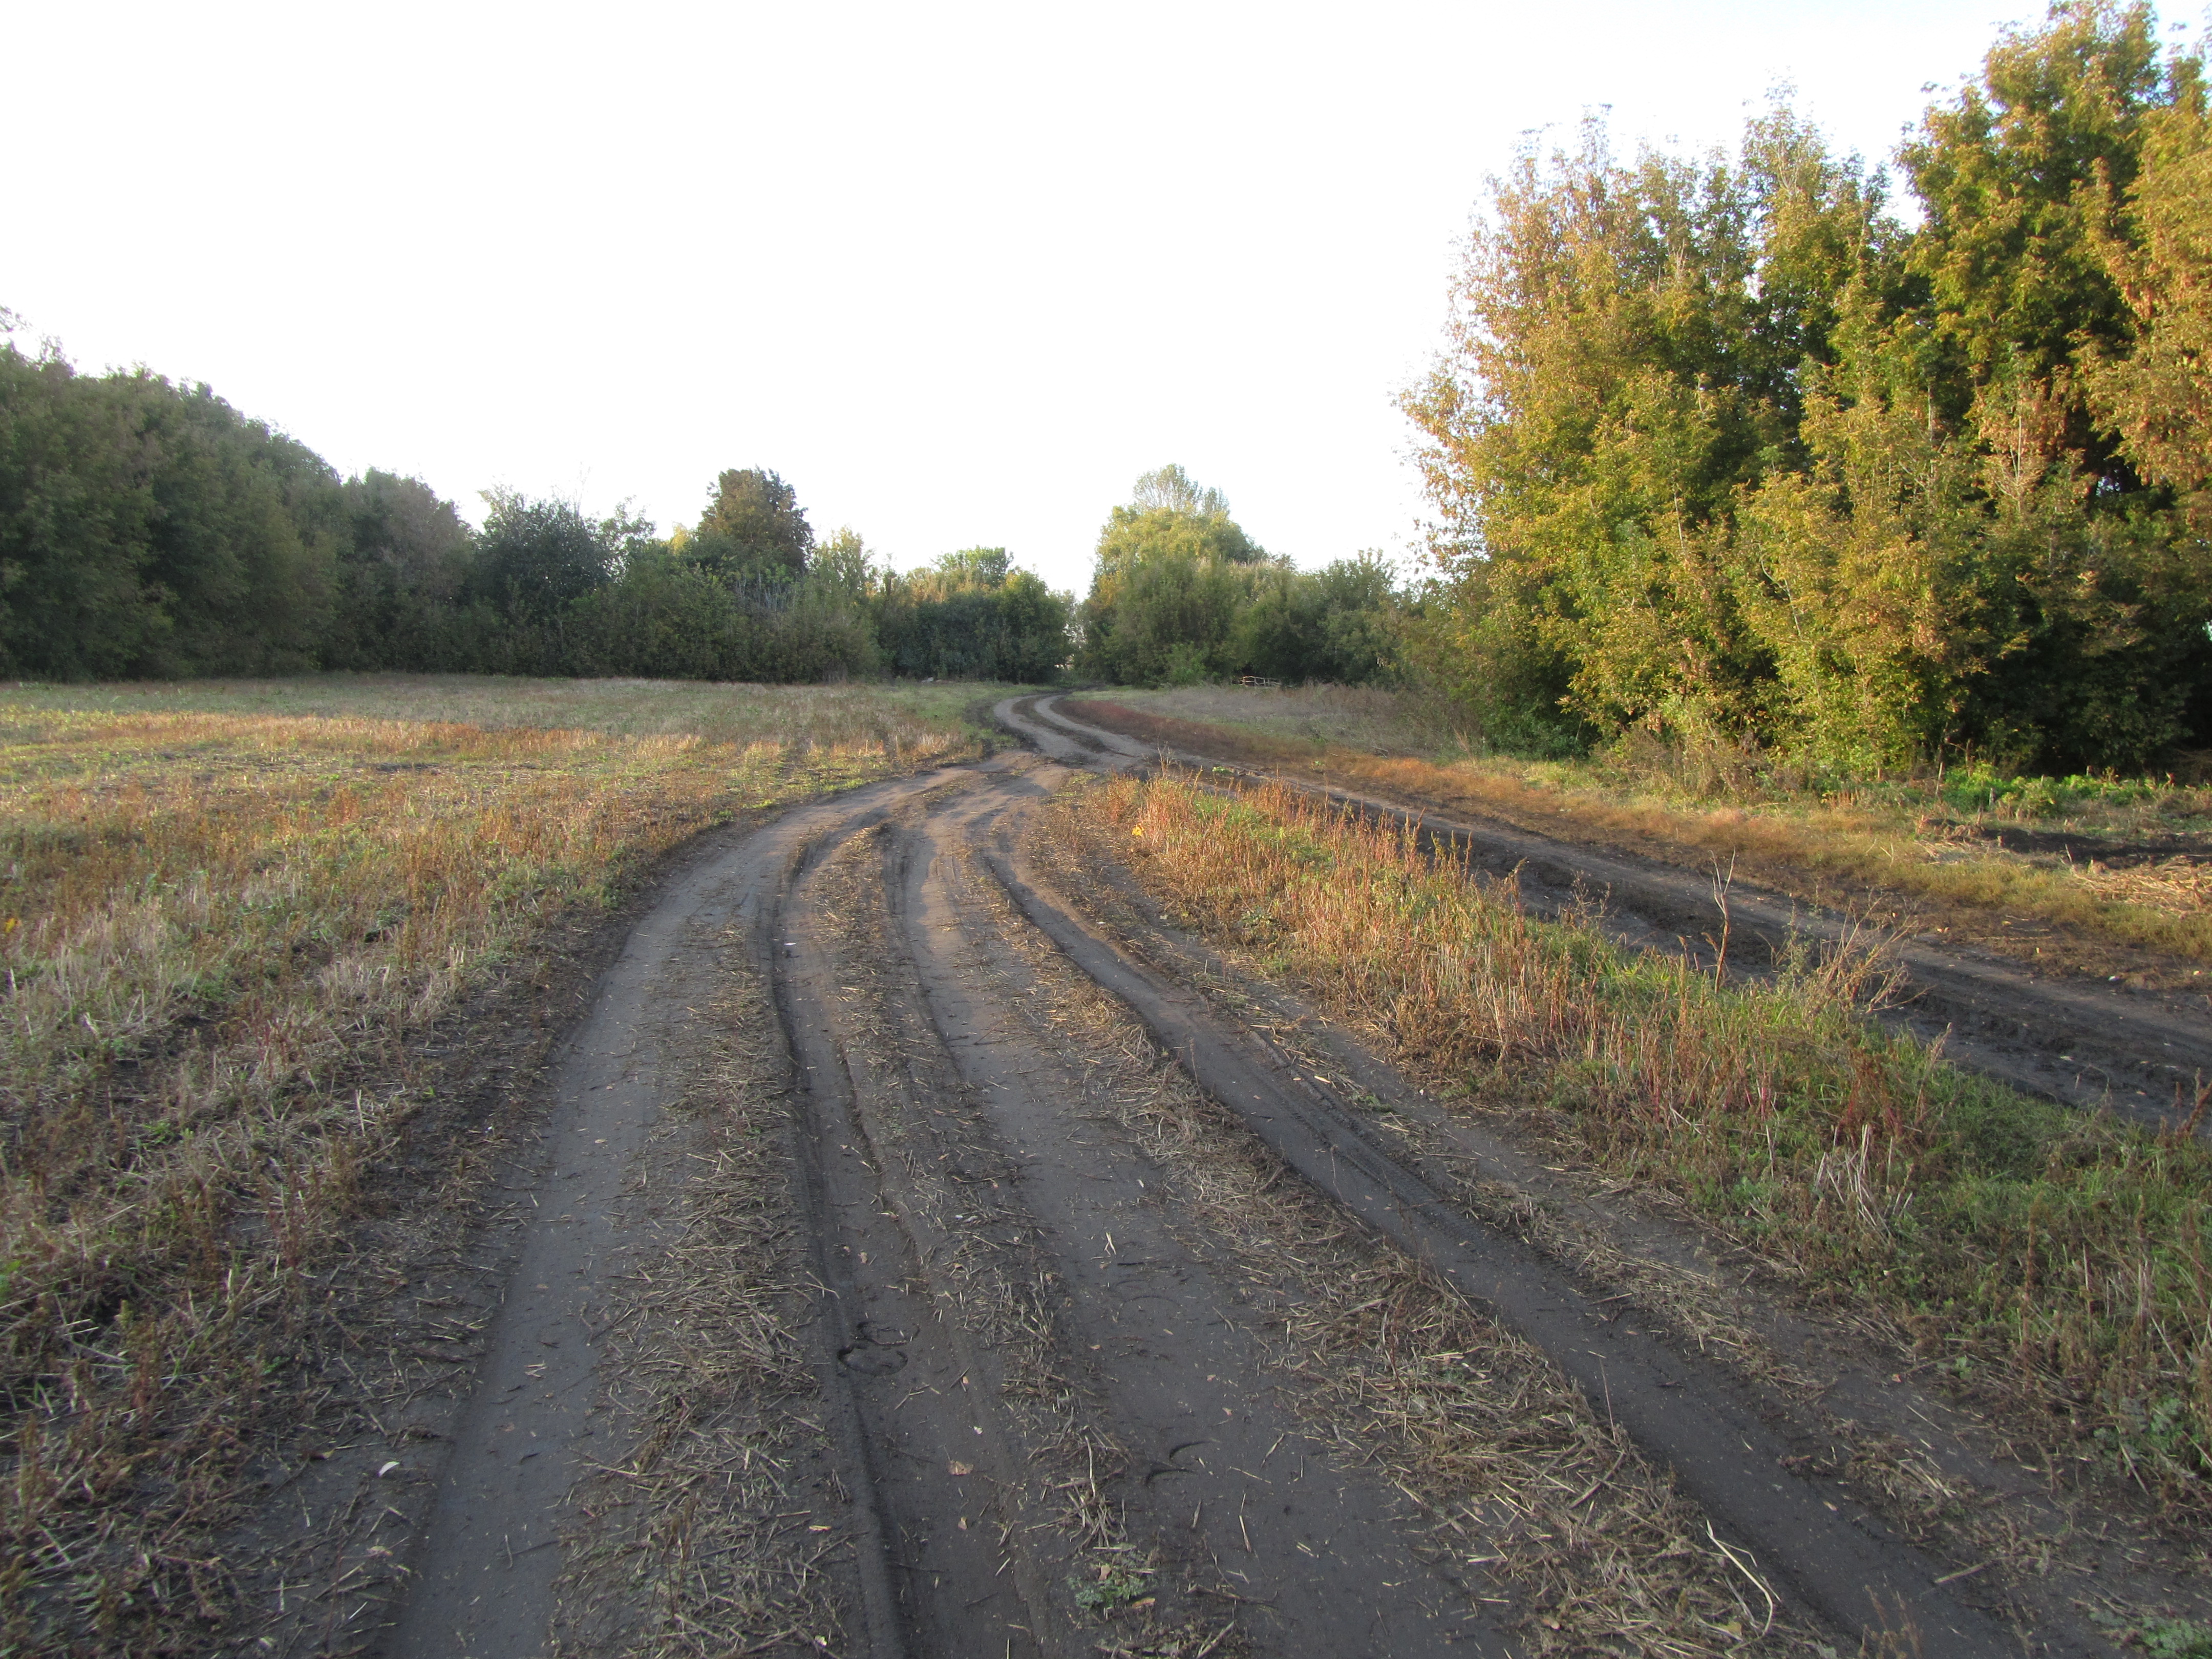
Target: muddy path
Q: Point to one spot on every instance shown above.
(931, 1253)
(2079, 1043)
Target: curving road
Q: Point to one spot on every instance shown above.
(1049, 1407)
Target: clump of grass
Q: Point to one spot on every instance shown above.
(217, 934)
(2064, 1257)
(1925, 839)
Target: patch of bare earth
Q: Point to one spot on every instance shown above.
(940, 1310)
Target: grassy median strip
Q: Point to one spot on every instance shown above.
(1930, 843)
(219, 932)
(2064, 1259)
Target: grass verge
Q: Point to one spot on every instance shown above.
(2063, 1261)
(221, 933)
(2100, 860)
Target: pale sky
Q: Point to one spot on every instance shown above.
(958, 272)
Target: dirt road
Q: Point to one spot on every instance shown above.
(926, 1254)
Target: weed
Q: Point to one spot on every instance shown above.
(2175, 1638)
(1116, 1586)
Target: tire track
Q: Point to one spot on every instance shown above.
(1835, 1556)
(484, 1563)
(1038, 1399)
(1219, 1483)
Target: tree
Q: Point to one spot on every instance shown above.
(972, 615)
(404, 564)
(76, 507)
(2020, 177)
(1170, 490)
(976, 567)
(1173, 569)
(1625, 355)
(537, 558)
(1723, 451)
(843, 570)
(2157, 397)
(753, 528)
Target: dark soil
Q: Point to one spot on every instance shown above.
(2107, 850)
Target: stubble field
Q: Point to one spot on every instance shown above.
(231, 913)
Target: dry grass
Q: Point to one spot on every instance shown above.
(2065, 1261)
(1926, 842)
(902, 713)
(708, 1543)
(220, 930)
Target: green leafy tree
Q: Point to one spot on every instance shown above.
(1724, 452)
(1337, 625)
(148, 528)
(2020, 179)
(76, 508)
(753, 529)
(403, 569)
(972, 615)
(2155, 393)
(1173, 571)
(1625, 355)
(536, 557)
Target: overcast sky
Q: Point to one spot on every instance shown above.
(959, 272)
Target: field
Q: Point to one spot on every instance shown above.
(750, 1184)
(2095, 875)
(232, 912)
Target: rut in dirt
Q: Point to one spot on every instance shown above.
(1054, 1396)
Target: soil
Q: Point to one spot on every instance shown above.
(915, 1246)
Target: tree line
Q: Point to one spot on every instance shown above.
(1724, 448)
(149, 529)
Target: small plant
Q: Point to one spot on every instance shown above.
(1118, 1585)
(2162, 1638)
(2175, 1638)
